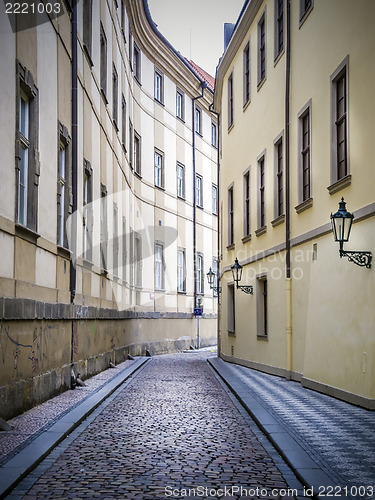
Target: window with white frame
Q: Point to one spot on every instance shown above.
(200, 274)
(230, 101)
(279, 27)
(159, 279)
(159, 86)
(103, 62)
(214, 199)
(262, 49)
(246, 74)
(103, 228)
(198, 120)
(199, 191)
(339, 122)
(180, 104)
(87, 210)
(181, 270)
(246, 208)
(137, 62)
(158, 160)
(230, 216)
(115, 242)
(23, 172)
(213, 134)
(180, 180)
(115, 96)
(62, 202)
(137, 154)
(231, 310)
(137, 260)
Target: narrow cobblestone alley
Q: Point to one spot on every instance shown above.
(173, 428)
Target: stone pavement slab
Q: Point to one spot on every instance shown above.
(19, 465)
(327, 442)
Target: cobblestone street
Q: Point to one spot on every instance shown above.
(172, 428)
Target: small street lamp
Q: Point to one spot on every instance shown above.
(211, 278)
(342, 222)
(237, 275)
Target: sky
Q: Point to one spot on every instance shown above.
(196, 27)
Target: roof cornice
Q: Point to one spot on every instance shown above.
(242, 27)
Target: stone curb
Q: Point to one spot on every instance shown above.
(306, 469)
(13, 471)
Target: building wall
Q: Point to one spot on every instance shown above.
(116, 205)
(332, 349)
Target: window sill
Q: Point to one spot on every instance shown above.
(231, 333)
(115, 125)
(161, 188)
(261, 83)
(88, 55)
(26, 233)
(103, 272)
(340, 184)
(182, 120)
(161, 103)
(63, 252)
(199, 206)
(231, 127)
(231, 246)
(181, 292)
(262, 336)
(88, 264)
(278, 57)
(104, 96)
(199, 133)
(261, 231)
(182, 198)
(246, 238)
(246, 105)
(138, 174)
(305, 15)
(304, 206)
(279, 220)
(136, 78)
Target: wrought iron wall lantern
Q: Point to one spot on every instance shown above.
(237, 276)
(341, 224)
(211, 278)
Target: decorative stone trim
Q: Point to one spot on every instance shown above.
(304, 205)
(340, 184)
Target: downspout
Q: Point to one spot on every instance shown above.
(218, 229)
(287, 201)
(73, 239)
(203, 86)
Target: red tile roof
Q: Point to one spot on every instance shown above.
(210, 80)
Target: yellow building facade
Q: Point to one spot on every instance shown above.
(293, 90)
(108, 206)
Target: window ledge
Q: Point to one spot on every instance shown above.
(115, 125)
(161, 188)
(278, 56)
(231, 127)
(262, 336)
(231, 246)
(261, 83)
(116, 279)
(199, 133)
(138, 174)
(87, 264)
(26, 233)
(246, 105)
(279, 220)
(246, 238)
(340, 184)
(261, 231)
(304, 205)
(104, 96)
(181, 292)
(159, 102)
(88, 55)
(103, 272)
(182, 120)
(63, 252)
(306, 14)
(231, 333)
(199, 206)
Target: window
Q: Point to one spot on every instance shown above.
(180, 181)
(262, 312)
(246, 190)
(103, 228)
(279, 178)
(305, 7)
(137, 154)
(339, 123)
(87, 210)
(262, 49)
(87, 28)
(279, 27)
(230, 101)
(214, 134)
(137, 260)
(115, 241)
(27, 154)
(198, 191)
(262, 203)
(123, 18)
(103, 62)
(61, 191)
(180, 104)
(130, 144)
(159, 86)
(246, 74)
(200, 274)
(124, 248)
(131, 254)
(115, 96)
(198, 120)
(159, 279)
(159, 167)
(215, 270)
(304, 159)
(230, 217)
(214, 199)
(123, 121)
(137, 62)
(181, 270)
(231, 310)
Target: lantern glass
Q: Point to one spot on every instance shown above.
(237, 271)
(210, 277)
(342, 223)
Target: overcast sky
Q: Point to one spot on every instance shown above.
(196, 27)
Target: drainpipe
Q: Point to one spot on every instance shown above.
(73, 248)
(287, 202)
(203, 86)
(218, 228)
